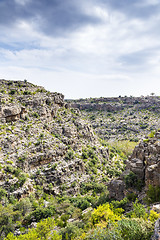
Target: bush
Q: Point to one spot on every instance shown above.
(22, 178)
(101, 234)
(39, 214)
(84, 155)
(69, 155)
(3, 193)
(80, 202)
(153, 216)
(8, 218)
(104, 214)
(103, 198)
(27, 92)
(24, 205)
(70, 232)
(12, 92)
(131, 196)
(153, 194)
(9, 168)
(130, 180)
(152, 134)
(35, 114)
(96, 187)
(44, 230)
(120, 204)
(135, 229)
(138, 211)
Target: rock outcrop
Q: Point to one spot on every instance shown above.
(45, 142)
(145, 160)
(116, 189)
(156, 235)
(12, 113)
(144, 163)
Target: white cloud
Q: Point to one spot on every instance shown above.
(22, 2)
(89, 61)
(145, 3)
(77, 84)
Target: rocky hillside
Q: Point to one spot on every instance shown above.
(44, 142)
(122, 118)
(55, 170)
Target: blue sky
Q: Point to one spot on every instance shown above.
(82, 48)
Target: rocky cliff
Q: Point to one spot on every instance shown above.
(44, 142)
(142, 169)
(113, 104)
(145, 160)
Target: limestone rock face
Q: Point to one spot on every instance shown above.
(145, 161)
(153, 174)
(116, 189)
(137, 166)
(11, 112)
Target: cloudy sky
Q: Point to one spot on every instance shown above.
(82, 48)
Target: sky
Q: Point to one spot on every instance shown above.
(82, 48)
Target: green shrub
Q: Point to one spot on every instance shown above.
(17, 172)
(3, 193)
(80, 202)
(69, 155)
(8, 219)
(152, 134)
(153, 194)
(44, 230)
(103, 215)
(40, 213)
(96, 187)
(84, 155)
(131, 180)
(103, 198)
(35, 114)
(144, 125)
(12, 92)
(22, 158)
(9, 168)
(138, 211)
(24, 205)
(123, 148)
(70, 232)
(101, 234)
(120, 204)
(135, 229)
(27, 92)
(22, 178)
(131, 196)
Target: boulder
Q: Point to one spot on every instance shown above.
(156, 235)
(116, 189)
